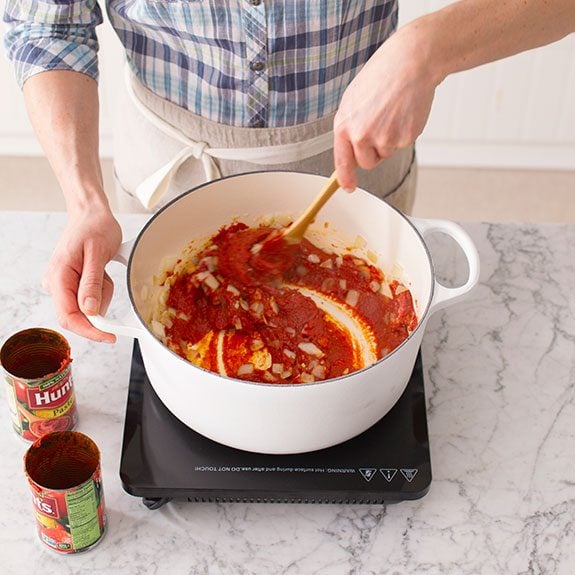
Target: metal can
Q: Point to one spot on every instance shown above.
(64, 474)
(37, 369)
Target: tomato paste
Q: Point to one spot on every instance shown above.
(247, 316)
(37, 369)
(64, 475)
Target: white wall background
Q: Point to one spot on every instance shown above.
(516, 113)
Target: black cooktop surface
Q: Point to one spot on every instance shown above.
(163, 459)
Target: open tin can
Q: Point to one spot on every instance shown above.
(64, 474)
(37, 369)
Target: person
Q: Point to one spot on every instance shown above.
(220, 88)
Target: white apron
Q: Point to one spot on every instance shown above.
(162, 150)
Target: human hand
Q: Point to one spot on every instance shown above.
(385, 107)
(75, 276)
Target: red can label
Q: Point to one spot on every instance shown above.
(72, 520)
(37, 370)
(46, 505)
(70, 517)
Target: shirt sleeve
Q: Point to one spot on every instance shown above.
(52, 35)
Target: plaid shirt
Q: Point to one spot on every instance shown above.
(250, 63)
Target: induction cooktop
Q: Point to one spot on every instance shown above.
(163, 459)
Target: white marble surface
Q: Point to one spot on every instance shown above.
(500, 374)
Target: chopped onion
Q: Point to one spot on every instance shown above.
(211, 263)
(310, 348)
(313, 259)
(352, 297)
(400, 289)
(209, 279)
(246, 369)
(342, 284)
(167, 264)
(307, 378)
(274, 305)
(338, 261)
(386, 291)
(318, 371)
(289, 353)
(192, 354)
(257, 307)
(158, 329)
(290, 331)
(374, 286)
(328, 264)
(285, 374)
(359, 242)
(164, 294)
(256, 344)
(238, 323)
(277, 368)
(233, 289)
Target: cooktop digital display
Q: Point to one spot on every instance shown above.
(163, 459)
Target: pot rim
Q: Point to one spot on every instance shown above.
(420, 323)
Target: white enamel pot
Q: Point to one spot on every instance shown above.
(281, 419)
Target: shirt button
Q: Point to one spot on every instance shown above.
(255, 2)
(257, 66)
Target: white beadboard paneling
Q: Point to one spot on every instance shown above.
(514, 155)
(515, 113)
(549, 84)
(16, 136)
(567, 112)
(507, 104)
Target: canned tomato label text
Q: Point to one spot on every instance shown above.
(37, 369)
(63, 471)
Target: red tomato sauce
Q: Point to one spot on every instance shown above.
(274, 333)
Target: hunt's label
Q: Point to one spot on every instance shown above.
(65, 479)
(51, 396)
(37, 369)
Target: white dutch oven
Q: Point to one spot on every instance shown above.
(270, 418)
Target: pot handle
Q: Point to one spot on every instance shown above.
(126, 326)
(443, 295)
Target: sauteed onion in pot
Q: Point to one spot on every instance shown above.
(327, 315)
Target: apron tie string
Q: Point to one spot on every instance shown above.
(153, 188)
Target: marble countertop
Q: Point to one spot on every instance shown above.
(500, 379)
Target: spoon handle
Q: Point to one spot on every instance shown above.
(296, 230)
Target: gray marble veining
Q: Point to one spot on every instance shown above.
(500, 380)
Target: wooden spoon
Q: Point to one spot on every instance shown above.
(272, 257)
(295, 232)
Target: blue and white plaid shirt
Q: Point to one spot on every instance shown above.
(250, 63)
